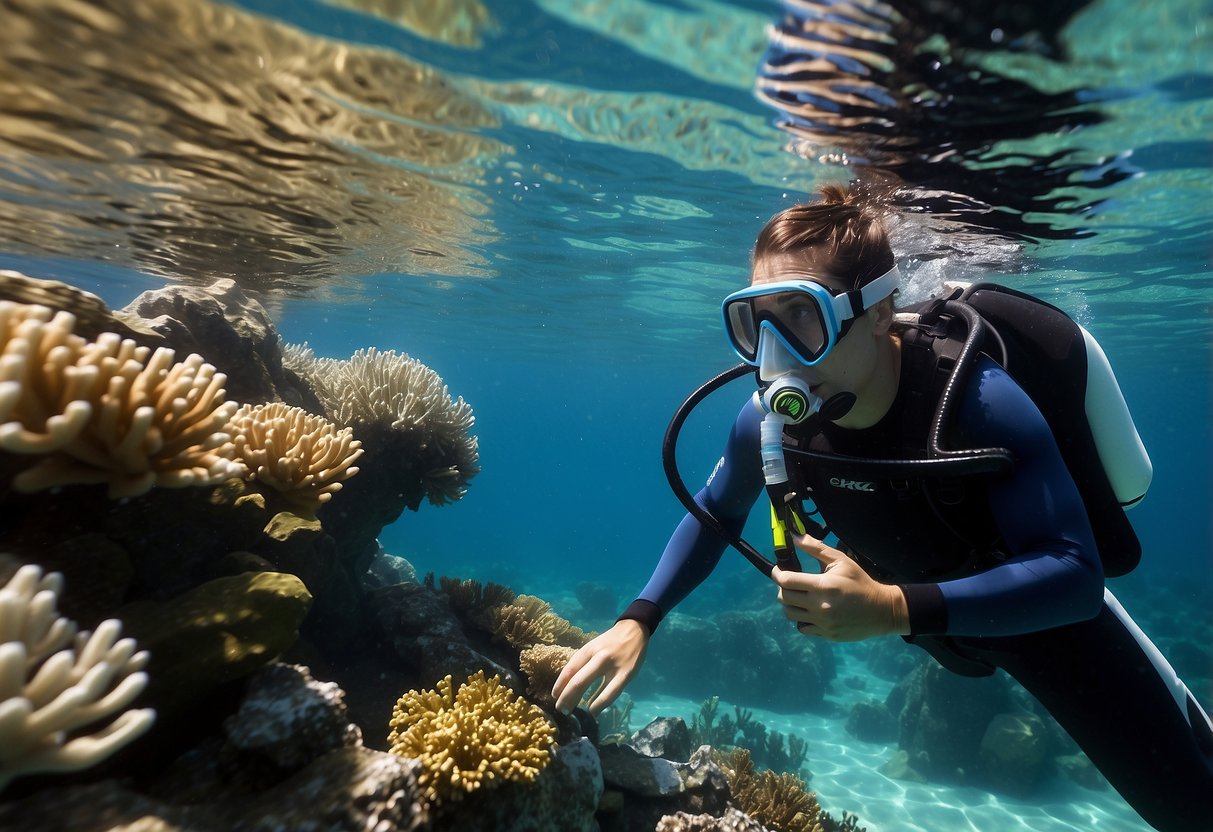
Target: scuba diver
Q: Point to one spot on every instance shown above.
(963, 524)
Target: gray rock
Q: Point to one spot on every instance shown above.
(945, 717)
(290, 718)
(666, 737)
(428, 636)
(625, 768)
(228, 329)
(386, 570)
(1014, 751)
(348, 790)
(563, 798)
(872, 721)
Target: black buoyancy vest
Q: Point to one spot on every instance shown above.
(903, 529)
(921, 529)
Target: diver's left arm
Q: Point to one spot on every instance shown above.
(1052, 575)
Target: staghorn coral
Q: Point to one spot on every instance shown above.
(304, 457)
(55, 681)
(106, 411)
(778, 801)
(400, 394)
(542, 663)
(527, 621)
(472, 738)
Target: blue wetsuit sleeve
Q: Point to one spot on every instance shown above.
(693, 551)
(1052, 575)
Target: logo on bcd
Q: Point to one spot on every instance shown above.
(852, 485)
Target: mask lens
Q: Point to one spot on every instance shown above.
(796, 314)
(802, 322)
(742, 328)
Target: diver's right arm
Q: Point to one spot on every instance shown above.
(689, 557)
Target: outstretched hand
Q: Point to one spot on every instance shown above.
(613, 657)
(842, 603)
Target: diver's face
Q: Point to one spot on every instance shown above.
(850, 365)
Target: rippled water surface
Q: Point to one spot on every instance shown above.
(546, 200)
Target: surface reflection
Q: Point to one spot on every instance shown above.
(194, 140)
(934, 96)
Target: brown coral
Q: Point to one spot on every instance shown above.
(542, 664)
(778, 801)
(527, 621)
(470, 596)
(304, 457)
(106, 411)
(472, 738)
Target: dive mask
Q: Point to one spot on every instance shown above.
(777, 325)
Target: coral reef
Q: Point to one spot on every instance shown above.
(217, 632)
(403, 396)
(779, 801)
(55, 681)
(106, 411)
(542, 663)
(469, 596)
(477, 736)
(733, 820)
(742, 730)
(527, 621)
(303, 457)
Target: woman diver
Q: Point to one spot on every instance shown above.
(818, 320)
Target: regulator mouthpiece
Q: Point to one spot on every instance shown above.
(789, 399)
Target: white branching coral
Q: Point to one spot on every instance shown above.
(107, 411)
(472, 738)
(38, 379)
(400, 393)
(302, 456)
(55, 682)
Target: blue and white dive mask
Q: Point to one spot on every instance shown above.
(790, 324)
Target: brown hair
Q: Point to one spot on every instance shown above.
(840, 236)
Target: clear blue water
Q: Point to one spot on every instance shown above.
(546, 208)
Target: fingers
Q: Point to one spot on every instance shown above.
(817, 549)
(609, 692)
(575, 680)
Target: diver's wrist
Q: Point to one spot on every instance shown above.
(899, 611)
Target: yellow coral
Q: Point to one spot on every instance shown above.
(106, 411)
(470, 739)
(304, 457)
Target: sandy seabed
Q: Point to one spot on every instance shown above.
(846, 777)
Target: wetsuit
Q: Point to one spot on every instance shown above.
(1025, 593)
